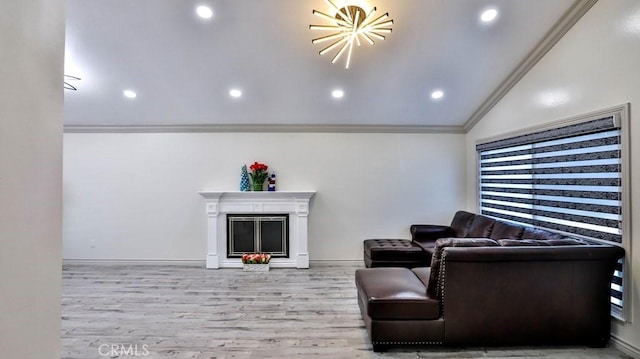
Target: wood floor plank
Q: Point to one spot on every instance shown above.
(186, 311)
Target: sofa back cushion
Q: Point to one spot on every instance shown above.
(522, 242)
(433, 289)
(542, 242)
(461, 222)
(566, 241)
(481, 227)
(537, 233)
(502, 230)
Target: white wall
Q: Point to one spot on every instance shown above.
(31, 114)
(595, 66)
(134, 196)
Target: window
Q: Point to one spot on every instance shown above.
(568, 179)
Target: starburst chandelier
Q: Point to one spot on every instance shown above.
(350, 25)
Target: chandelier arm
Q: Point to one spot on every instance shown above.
(380, 24)
(69, 86)
(331, 18)
(376, 35)
(357, 37)
(339, 11)
(326, 38)
(368, 38)
(346, 66)
(383, 30)
(337, 56)
(354, 35)
(355, 23)
(325, 27)
(367, 18)
(332, 46)
(369, 15)
(376, 20)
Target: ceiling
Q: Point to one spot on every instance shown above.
(182, 67)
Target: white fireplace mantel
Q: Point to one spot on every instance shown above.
(219, 204)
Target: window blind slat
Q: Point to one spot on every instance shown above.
(609, 209)
(558, 169)
(560, 215)
(552, 192)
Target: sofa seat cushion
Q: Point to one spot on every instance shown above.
(436, 258)
(394, 294)
(393, 249)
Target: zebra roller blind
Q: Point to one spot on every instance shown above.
(566, 179)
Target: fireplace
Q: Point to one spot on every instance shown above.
(265, 233)
(220, 206)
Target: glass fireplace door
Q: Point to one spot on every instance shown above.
(258, 234)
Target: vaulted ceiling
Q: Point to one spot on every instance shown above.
(182, 67)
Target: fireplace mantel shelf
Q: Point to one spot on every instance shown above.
(221, 203)
(266, 195)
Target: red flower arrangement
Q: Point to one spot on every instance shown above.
(258, 174)
(256, 258)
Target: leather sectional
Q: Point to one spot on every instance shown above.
(480, 281)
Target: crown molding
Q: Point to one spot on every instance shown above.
(559, 29)
(262, 128)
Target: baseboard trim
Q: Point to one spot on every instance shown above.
(625, 347)
(133, 262)
(315, 263)
(335, 263)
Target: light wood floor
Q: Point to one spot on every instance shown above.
(182, 311)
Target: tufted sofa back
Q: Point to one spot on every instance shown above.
(470, 225)
(461, 222)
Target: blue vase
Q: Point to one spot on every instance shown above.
(244, 179)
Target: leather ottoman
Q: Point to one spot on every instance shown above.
(395, 253)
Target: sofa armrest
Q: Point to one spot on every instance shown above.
(527, 295)
(429, 232)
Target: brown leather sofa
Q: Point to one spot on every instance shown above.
(489, 283)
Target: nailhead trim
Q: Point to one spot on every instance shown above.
(441, 282)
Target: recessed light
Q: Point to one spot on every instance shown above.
(437, 94)
(337, 93)
(489, 15)
(204, 12)
(235, 93)
(129, 94)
